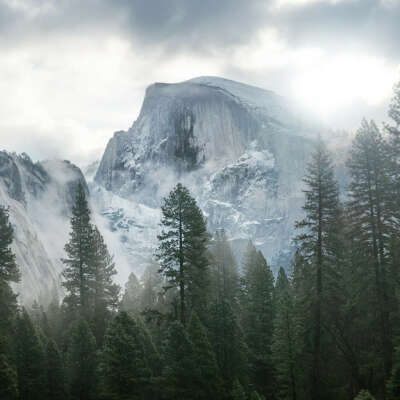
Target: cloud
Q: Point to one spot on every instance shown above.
(74, 71)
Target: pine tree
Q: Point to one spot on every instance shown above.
(364, 395)
(181, 373)
(152, 287)
(104, 292)
(225, 276)
(227, 339)
(30, 360)
(318, 233)
(78, 271)
(370, 217)
(131, 300)
(255, 396)
(285, 346)
(210, 385)
(55, 373)
(125, 369)
(8, 374)
(82, 362)
(9, 271)
(183, 250)
(257, 317)
(89, 270)
(238, 392)
(393, 385)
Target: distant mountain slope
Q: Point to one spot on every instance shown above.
(39, 197)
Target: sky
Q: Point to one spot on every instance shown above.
(72, 72)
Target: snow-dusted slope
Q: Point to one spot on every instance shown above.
(241, 150)
(39, 197)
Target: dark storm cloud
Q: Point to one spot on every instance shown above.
(201, 25)
(372, 24)
(174, 24)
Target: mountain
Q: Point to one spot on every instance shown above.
(241, 151)
(39, 196)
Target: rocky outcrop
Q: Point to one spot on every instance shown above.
(39, 196)
(241, 151)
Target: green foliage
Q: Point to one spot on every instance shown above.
(285, 346)
(238, 392)
(225, 276)
(78, 264)
(8, 376)
(131, 300)
(55, 373)
(364, 395)
(89, 270)
(9, 271)
(182, 375)
(228, 342)
(30, 360)
(183, 250)
(317, 245)
(210, 384)
(124, 367)
(81, 362)
(393, 385)
(257, 317)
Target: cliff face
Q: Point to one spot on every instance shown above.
(39, 197)
(241, 151)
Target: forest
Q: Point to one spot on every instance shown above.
(200, 324)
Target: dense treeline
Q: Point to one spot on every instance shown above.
(198, 325)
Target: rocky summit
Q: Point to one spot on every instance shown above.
(241, 151)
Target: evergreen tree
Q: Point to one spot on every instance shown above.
(285, 346)
(319, 228)
(125, 370)
(82, 362)
(370, 217)
(9, 271)
(238, 392)
(181, 373)
(151, 287)
(30, 360)
(227, 339)
(364, 395)
(393, 385)
(210, 385)
(8, 374)
(225, 276)
(78, 272)
(89, 270)
(183, 250)
(55, 373)
(131, 300)
(257, 317)
(104, 292)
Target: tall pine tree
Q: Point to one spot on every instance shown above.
(183, 250)
(318, 230)
(257, 317)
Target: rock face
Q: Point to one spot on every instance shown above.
(241, 151)
(39, 197)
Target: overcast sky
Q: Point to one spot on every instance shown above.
(74, 71)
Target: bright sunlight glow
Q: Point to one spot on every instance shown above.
(332, 84)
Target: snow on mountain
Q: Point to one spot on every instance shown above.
(39, 197)
(241, 151)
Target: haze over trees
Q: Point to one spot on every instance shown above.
(200, 324)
